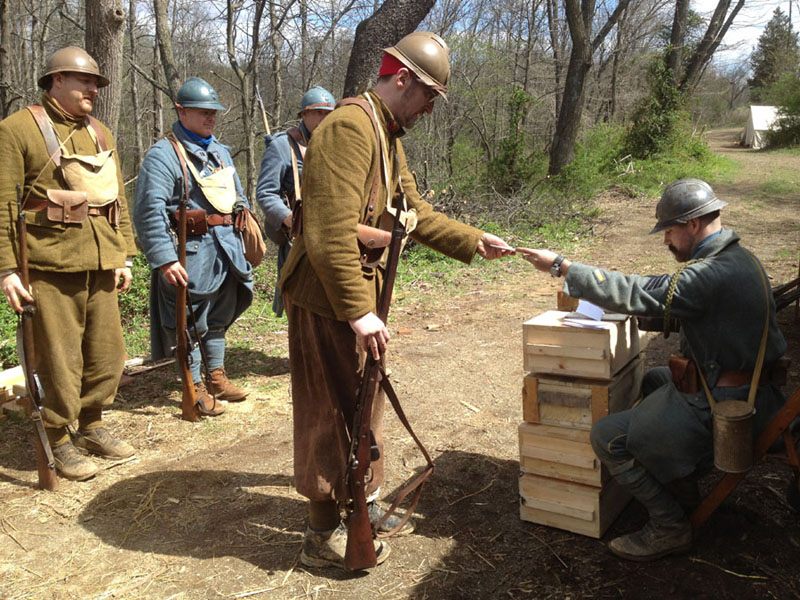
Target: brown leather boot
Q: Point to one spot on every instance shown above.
(210, 408)
(223, 388)
(71, 464)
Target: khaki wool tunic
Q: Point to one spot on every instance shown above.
(325, 286)
(77, 329)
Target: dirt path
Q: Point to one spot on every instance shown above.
(208, 510)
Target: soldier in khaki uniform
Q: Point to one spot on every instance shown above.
(330, 296)
(724, 303)
(79, 236)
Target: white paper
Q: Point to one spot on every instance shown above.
(589, 310)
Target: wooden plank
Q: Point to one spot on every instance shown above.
(577, 402)
(536, 349)
(530, 404)
(560, 453)
(581, 509)
(550, 346)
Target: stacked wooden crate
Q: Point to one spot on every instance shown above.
(575, 377)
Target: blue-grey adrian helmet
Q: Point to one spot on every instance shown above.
(198, 93)
(684, 200)
(317, 98)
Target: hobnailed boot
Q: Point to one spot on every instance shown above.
(222, 387)
(327, 548)
(376, 512)
(210, 408)
(71, 464)
(101, 443)
(653, 541)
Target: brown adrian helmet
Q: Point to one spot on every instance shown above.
(427, 55)
(73, 60)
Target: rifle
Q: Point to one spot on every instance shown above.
(263, 110)
(360, 552)
(45, 463)
(189, 404)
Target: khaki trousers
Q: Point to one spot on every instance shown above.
(325, 369)
(80, 352)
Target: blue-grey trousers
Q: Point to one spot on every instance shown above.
(609, 440)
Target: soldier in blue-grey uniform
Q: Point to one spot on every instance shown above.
(277, 188)
(656, 448)
(218, 276)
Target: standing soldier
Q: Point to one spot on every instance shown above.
(217, 274)
(79, 236)
(330, 287)
(277, 188)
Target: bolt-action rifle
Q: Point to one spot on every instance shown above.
(360, 552)
(45, 463)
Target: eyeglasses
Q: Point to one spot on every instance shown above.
(430, 93)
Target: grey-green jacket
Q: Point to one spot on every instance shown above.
(721, 302)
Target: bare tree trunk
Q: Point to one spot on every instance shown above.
(579, 19)
(393, 20)
(277, 64)
(555, 46)
(137, 122)
(717, 28)
(164, 39)
(105, 20)
(676, 38)
(5, 75)
(246, 84)
(158, 104)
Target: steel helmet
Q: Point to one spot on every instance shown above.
(74, 60)
(198, 93)
(427, 55)
(317, 98)
(684, 200)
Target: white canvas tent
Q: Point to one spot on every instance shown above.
(759, 120)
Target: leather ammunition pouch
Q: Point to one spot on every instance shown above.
(684, 374)
(67, 206)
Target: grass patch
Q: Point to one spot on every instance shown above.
(778, 186)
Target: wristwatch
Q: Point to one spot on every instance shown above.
(555, 268)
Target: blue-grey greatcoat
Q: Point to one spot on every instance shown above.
(721, 303)
(210, 257)
(275, 184)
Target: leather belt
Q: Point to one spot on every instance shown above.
(100, 211)
(216, 220)
(739, 378)
(38, 205)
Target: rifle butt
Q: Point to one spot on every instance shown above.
(48, 480)
(360, 552)
(189, 411)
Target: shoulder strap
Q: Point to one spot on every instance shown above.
(98, 132)
(176, 145)
(48, 133)
(373, 192)
(296, 136)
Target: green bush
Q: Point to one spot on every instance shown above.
(785, 94)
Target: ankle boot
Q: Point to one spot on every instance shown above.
(212, 409)
(222, 387)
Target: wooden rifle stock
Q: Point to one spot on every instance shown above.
(360, 552)
(189, 410)
(45, 463)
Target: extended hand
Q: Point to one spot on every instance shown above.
(175, 274)
(491, 247)
(371, 334)
(15, 293)
(542, 259)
